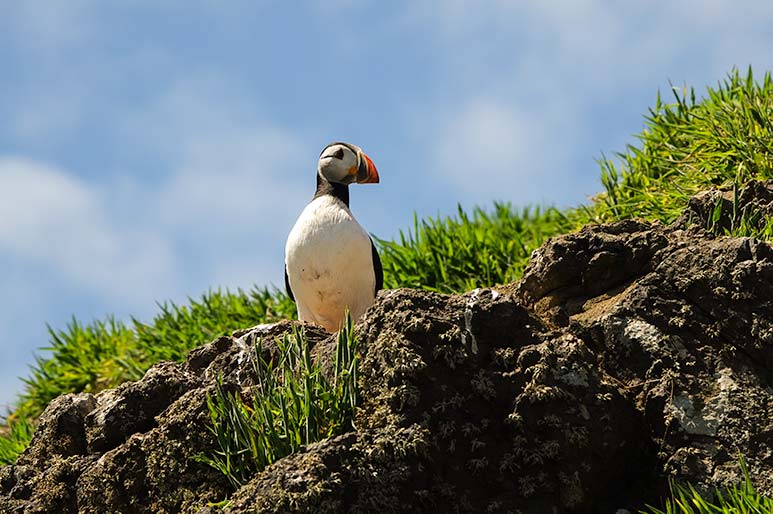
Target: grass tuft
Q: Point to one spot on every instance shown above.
(17, 437)
(454, 254)
(737, 499)
(293, 405)
(104, 354)
(692, 145)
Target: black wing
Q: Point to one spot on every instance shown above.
(289, 289)
(376, 267)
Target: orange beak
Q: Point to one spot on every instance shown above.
(366, 173)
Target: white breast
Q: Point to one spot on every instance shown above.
(329, 264)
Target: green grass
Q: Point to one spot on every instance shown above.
(90, 358)
(722, 139)
(16, 439)
(453, 254)
(737, 499)
(743, 220)
(293, 405)
(692, 145)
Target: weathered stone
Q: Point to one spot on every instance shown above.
(723, 209)
(61, 431)
(689, 340)
(132, 407)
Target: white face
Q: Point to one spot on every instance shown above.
(339, 163)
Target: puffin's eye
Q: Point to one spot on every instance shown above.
(339, 153)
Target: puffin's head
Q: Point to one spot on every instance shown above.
(345, 164)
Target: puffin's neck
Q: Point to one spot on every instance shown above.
(340, 191)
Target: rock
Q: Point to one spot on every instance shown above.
(468, 405)
(629, 354)
(722, 210)
(62, 432)
(132, 449)
(689, 341)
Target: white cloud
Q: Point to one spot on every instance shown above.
(526, 84)
(491, 149)
(219, 219)
(236, 178)
(235, 196)
(55, 219)
(233, 182)
(476, 146)
(597, 42)
(37, 200)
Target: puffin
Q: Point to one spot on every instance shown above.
(331, 264)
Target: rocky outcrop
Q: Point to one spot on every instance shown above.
(628, 354)
(133, 449)
(687, 338)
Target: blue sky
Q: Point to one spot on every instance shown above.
(152, 150)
